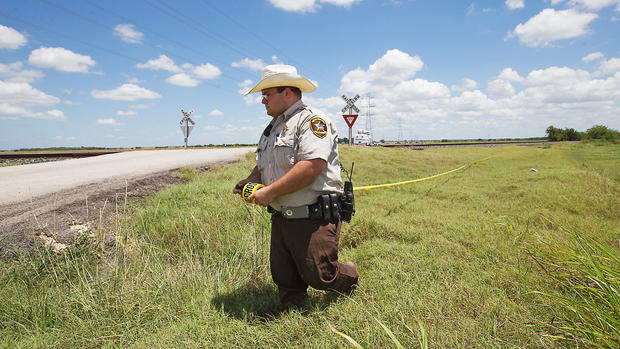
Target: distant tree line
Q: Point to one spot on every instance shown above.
(596, 132)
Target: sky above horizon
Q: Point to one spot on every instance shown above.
(117, 73)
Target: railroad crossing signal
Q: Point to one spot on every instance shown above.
(185, 127)
(350, 118)
(350, 104)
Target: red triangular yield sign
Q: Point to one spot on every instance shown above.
(350, 119)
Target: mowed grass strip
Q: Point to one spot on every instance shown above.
(444, 263)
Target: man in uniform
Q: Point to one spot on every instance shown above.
(297, 161)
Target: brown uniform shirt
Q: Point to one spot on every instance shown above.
(300, 134)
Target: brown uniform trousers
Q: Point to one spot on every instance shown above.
(305, 253)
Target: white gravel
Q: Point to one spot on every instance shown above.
(25, 182)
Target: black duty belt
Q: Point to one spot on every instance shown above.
(326, 208)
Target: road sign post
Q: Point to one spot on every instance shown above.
(350, 118)
(185, 127)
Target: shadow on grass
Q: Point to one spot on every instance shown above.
(260, 302)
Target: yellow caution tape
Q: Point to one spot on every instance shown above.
(379, 186)
(249, 189)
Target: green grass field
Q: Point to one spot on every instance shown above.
(472, 259)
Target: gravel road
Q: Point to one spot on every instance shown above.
(49, 200)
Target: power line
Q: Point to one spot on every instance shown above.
(46, 29)
(190, 23)
(266, 42)
(89, 44)
(201, 53)
(240, 25)
(73, 13)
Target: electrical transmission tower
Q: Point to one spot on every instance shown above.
(368, 116)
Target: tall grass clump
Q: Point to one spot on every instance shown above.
(588, 275)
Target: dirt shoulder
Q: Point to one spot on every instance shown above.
(58, 218)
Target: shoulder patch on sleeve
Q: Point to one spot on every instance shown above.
(318, 127)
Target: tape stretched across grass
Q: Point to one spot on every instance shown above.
(379, 186)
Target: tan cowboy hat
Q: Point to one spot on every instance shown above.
(277, 75)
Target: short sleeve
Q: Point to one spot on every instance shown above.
(315, 138)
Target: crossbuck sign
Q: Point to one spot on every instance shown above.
(350, 104)
(185, 127)
(350, 118)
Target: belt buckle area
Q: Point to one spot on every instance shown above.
(301, 212)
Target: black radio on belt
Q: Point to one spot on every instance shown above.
(347, 200)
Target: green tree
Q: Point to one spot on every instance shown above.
(554, 134)
(603, 133)
(570, 134)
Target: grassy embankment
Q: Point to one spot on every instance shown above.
(452, 261)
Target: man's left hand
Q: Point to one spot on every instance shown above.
(262, 197)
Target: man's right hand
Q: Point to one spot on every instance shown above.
(253, 177)
(239, 186)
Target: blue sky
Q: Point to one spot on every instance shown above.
(117, 73)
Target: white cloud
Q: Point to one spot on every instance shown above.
(556, 76)
(551, 25)
(466, 84)
(161, 63)
(125, 92)
(207, 71)
(20, 93)
(109, 121)
(609, 66)
(254, 98)
(592, 57)
(303, 6)
(593, 5)
(55, 115)
(10, 38)
(216, 112)
(17, 97)
(513, 105)
(394, 66)
(126, 112)
(471, 8)
(60, 59)
(509, 74)
(252, 64)
(182, 79)
(11, 109)
(515, 4)
(14, 72)
(134, 80)
(16, 112)
(139, 106)
(127, 33)
(61, 138)
(500, 88)
(418, 89)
